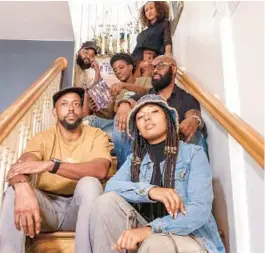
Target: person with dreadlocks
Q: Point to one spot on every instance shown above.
(161, 198)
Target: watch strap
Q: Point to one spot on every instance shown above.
(56, 166)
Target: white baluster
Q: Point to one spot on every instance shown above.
(10, 161)
(118, 32)
(34, 122)
(26, 138)
(43, 115)
(38, 121)
(125, 33)
(21, 139)
(139, 5)
(48, 112)
(3, 163)
(103, 34)
(111, 31)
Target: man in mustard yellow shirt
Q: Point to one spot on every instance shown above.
(70, 159)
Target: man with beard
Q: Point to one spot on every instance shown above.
(70, 159)
(87, 69)
(163, 82)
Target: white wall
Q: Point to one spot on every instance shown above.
(31, 20)
(32, 36)
(221, 46)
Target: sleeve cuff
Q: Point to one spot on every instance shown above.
(156, 225)
(142, 189)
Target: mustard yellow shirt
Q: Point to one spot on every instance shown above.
(93, 143)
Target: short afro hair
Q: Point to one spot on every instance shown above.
(124, 57)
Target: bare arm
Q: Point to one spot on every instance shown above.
(21, 178)
(131, 102)
(195, 112)
(191, 123)
(96, 168)
(95, 66)
(27, 212)
(97, 75)
(86, 109)
(168, 50)
(167, 38)
(136, 88)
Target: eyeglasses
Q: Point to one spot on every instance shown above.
(161, 65)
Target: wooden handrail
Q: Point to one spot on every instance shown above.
(14, 113)
(244, 134)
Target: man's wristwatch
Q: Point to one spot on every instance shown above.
(56, 166)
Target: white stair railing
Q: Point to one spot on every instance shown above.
(28, 115)
(114, 26)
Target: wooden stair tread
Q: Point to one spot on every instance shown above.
(56, 235)
(57, 242)
(62, 235)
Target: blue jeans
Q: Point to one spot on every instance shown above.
(123, 144)
(200, 139)
(104, 124)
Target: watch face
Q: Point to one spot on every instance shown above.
(56, 160)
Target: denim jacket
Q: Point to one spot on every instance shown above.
(193, 182)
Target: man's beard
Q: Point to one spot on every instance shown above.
(163, 82)
(70, 126)
(81, 63)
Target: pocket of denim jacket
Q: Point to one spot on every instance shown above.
(180, 182)
(181, 174)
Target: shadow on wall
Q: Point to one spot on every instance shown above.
(23, 61)
(220, 212)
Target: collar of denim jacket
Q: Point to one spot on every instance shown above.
(148, 160)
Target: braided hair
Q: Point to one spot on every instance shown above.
(141, 147)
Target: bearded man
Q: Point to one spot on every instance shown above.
(70, 160)
(87, 70)
(191, 126)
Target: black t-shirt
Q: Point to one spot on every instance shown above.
(154, 38)
(179, 99)
(157, 151)
(151, 211)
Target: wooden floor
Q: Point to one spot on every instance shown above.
(59, 242)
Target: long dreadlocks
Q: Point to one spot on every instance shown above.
(141, 147)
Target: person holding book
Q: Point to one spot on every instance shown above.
(103, 116)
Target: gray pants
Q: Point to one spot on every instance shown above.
(111, 215)
(58, 214)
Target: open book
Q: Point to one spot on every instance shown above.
(100, 94)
